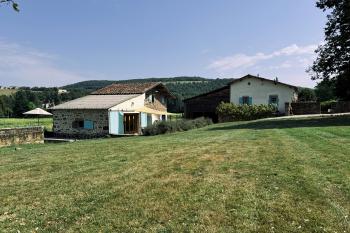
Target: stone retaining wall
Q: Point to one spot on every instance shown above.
(25, 135)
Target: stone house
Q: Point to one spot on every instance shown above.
(118, 109)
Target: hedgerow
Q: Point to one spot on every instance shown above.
(233, 112)
(163, 127)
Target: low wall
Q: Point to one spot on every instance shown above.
(340, 106)
(302, 108)
(27, 135)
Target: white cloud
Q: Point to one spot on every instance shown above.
(23, 66)
(241, 61)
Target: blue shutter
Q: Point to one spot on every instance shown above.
(240, 100)
(116, 124)
(120, 123)
(88, 124)
(143, 120)
(250, 100)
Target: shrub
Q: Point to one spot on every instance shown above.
(163, 127)
(325, 105)
(233, 112)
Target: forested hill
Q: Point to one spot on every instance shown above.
(185, 86)
(181, 87)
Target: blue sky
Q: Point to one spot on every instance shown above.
(52, 43)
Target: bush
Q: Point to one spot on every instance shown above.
(233, 112)
(163, 127)
(325, 105)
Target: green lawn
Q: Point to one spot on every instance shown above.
(22, 122)
(264, 176)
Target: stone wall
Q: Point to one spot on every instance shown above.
(340, 106)
(157, 104)
(27, 135)
(63, 123)
(302, 108)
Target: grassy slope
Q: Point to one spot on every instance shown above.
(7, 91)
(276, 176)
(22, 122)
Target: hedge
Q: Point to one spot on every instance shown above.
(233, 112)
(163, 127)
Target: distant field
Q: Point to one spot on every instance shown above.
(7, 91)
(264, 176)
(21, 122)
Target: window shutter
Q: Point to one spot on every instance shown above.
(250, 100)
(240, 100)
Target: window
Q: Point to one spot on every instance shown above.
(78, 123)
(273, 99)
(82, 124)
(245, 99)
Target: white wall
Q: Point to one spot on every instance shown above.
(131, 104)
(260, 91)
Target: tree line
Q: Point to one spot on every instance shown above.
(26, 99)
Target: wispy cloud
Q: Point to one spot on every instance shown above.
(21, 65)
(242, 61)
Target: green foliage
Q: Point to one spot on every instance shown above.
(325, 90)
(325, 105)
(163, 127)
(233, 112)
(306, 94)
(333, 61)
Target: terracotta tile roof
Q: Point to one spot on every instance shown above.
(263, 79)
(126, 88)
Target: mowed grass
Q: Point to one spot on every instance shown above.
(24, 122)
(263, 176)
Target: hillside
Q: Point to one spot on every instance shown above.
(181, 87)
(262, 176)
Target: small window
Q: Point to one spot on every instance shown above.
(77, 124)
(273, 99)
(245, 99)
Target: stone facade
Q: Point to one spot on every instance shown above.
(27, 135)
(157, 104)
(66, 123)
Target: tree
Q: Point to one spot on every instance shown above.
(333, 61)
(13, 3)
(325, 90)
(306, 94)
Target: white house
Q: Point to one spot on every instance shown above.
(256, 90)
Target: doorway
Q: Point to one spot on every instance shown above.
(131, 123)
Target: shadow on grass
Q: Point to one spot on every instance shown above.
(288, 123)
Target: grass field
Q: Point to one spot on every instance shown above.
(22, 122)
(263, 176)
(7, 91)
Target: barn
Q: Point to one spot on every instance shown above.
(204, 105)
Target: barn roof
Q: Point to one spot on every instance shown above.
(127, 88)
(263, 79)
(95, 102)
(208, 93)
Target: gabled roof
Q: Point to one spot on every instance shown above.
(263, 79)
(208, 93)
(127, 88)
(95, 102)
